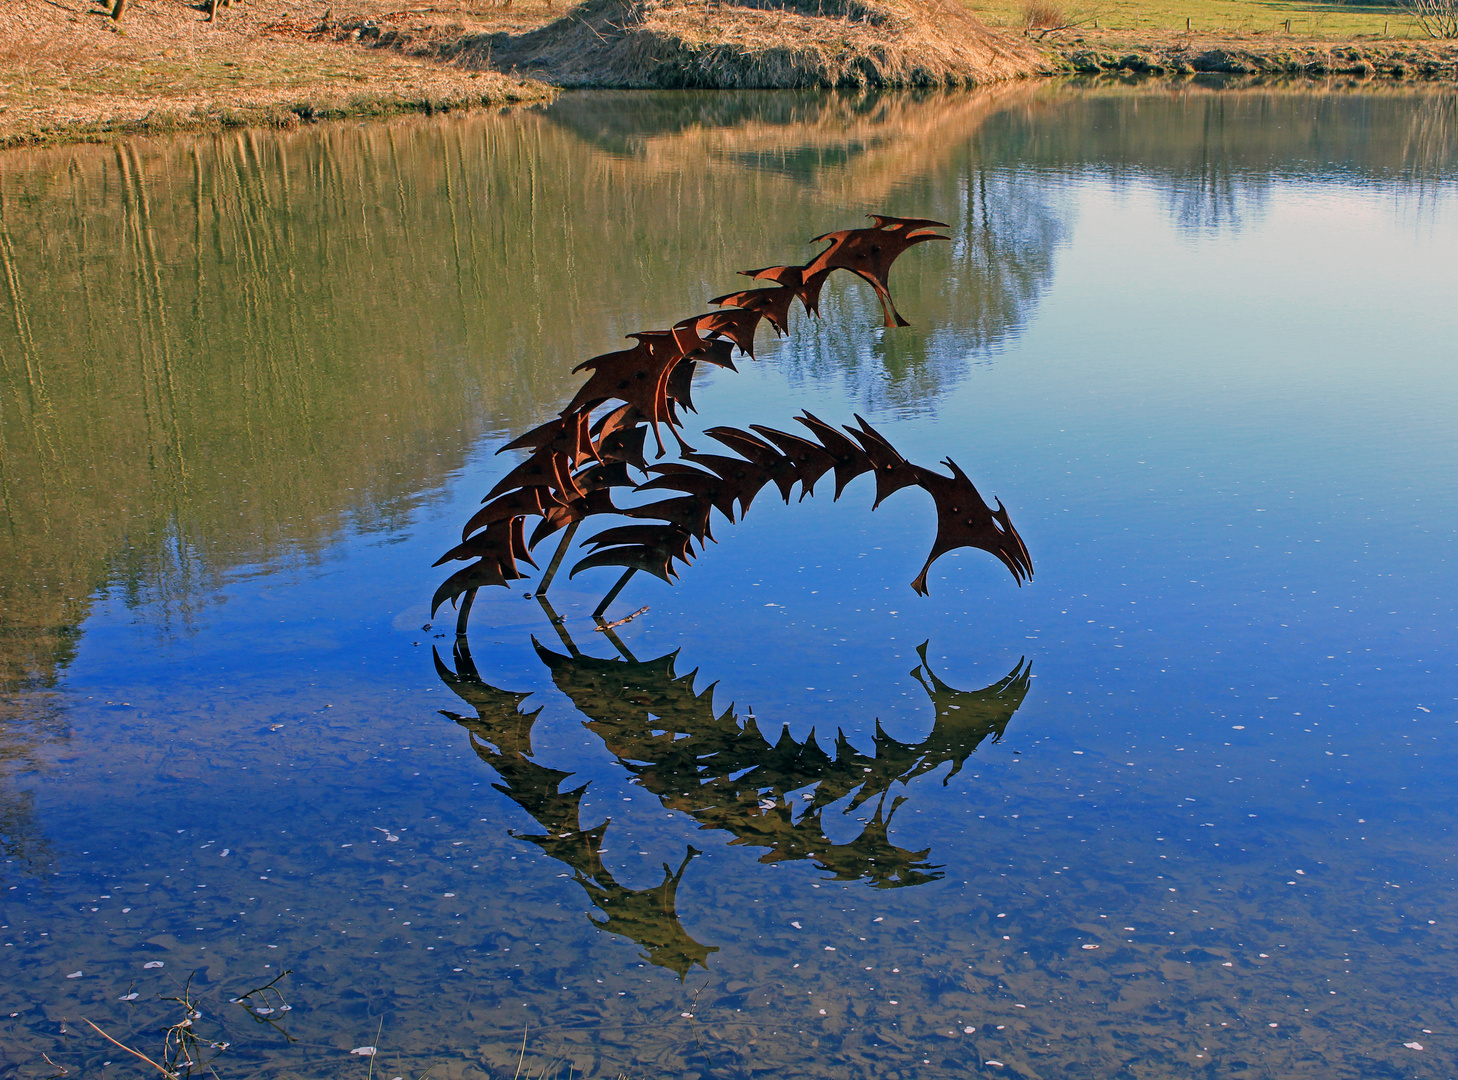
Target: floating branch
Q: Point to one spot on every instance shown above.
(575, 459)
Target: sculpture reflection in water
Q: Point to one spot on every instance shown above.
(721, 770)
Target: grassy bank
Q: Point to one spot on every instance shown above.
(69, 73)
(1231, 37)
(1310, 38)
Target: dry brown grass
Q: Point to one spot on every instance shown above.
(1043, 15)
(760, 45)
(68, 71)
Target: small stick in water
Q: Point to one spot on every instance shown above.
(603, 628)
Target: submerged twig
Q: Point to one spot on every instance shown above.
(376, 1048)
(266, 986)
(522, 1056)
(264, 1014)
(128, 1049)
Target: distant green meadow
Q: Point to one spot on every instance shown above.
(1322, 20)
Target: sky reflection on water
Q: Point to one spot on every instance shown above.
(1204, 819)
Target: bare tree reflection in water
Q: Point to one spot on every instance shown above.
(32, 720)
(722, 771)
(1006, 232)
(1214, 199)
(29, 723)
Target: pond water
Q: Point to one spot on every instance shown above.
(1181, 805)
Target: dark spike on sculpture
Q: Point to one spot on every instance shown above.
(680, 387)
(637, 376)
(595, 502)
(669, 537)
(677, 477)
(656, 559)
(565, 435)
(544, 468)
(893, 472)
(869, 253)
(620, 436)
(745, 479)
(496, 549)
(780, 469)
(965, 520)
(690, 513)
(501, 540)
(811, 461)
(798, 279)
(735, 324)
(773, 304)
(717, 351)
(527, 501)
(595, 482)
(850, 460)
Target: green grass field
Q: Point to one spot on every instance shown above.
(1306, 19)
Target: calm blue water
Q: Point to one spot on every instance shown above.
(1206, 828)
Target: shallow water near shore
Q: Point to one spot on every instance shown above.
(1181, 805)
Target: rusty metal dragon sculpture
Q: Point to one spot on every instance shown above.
(580, 456)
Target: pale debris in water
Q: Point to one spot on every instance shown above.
(1090, 946)
(1413, 1045)
(969, 1030)
(766, 804)
(391, 837)
(797, 926)
(364, 1051)
(75, 974)
(129, 997)
(154, 964)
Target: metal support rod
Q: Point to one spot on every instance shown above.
(613, 593)
(464, 615)
(461, 653)
(557, 558)
(556, 621)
